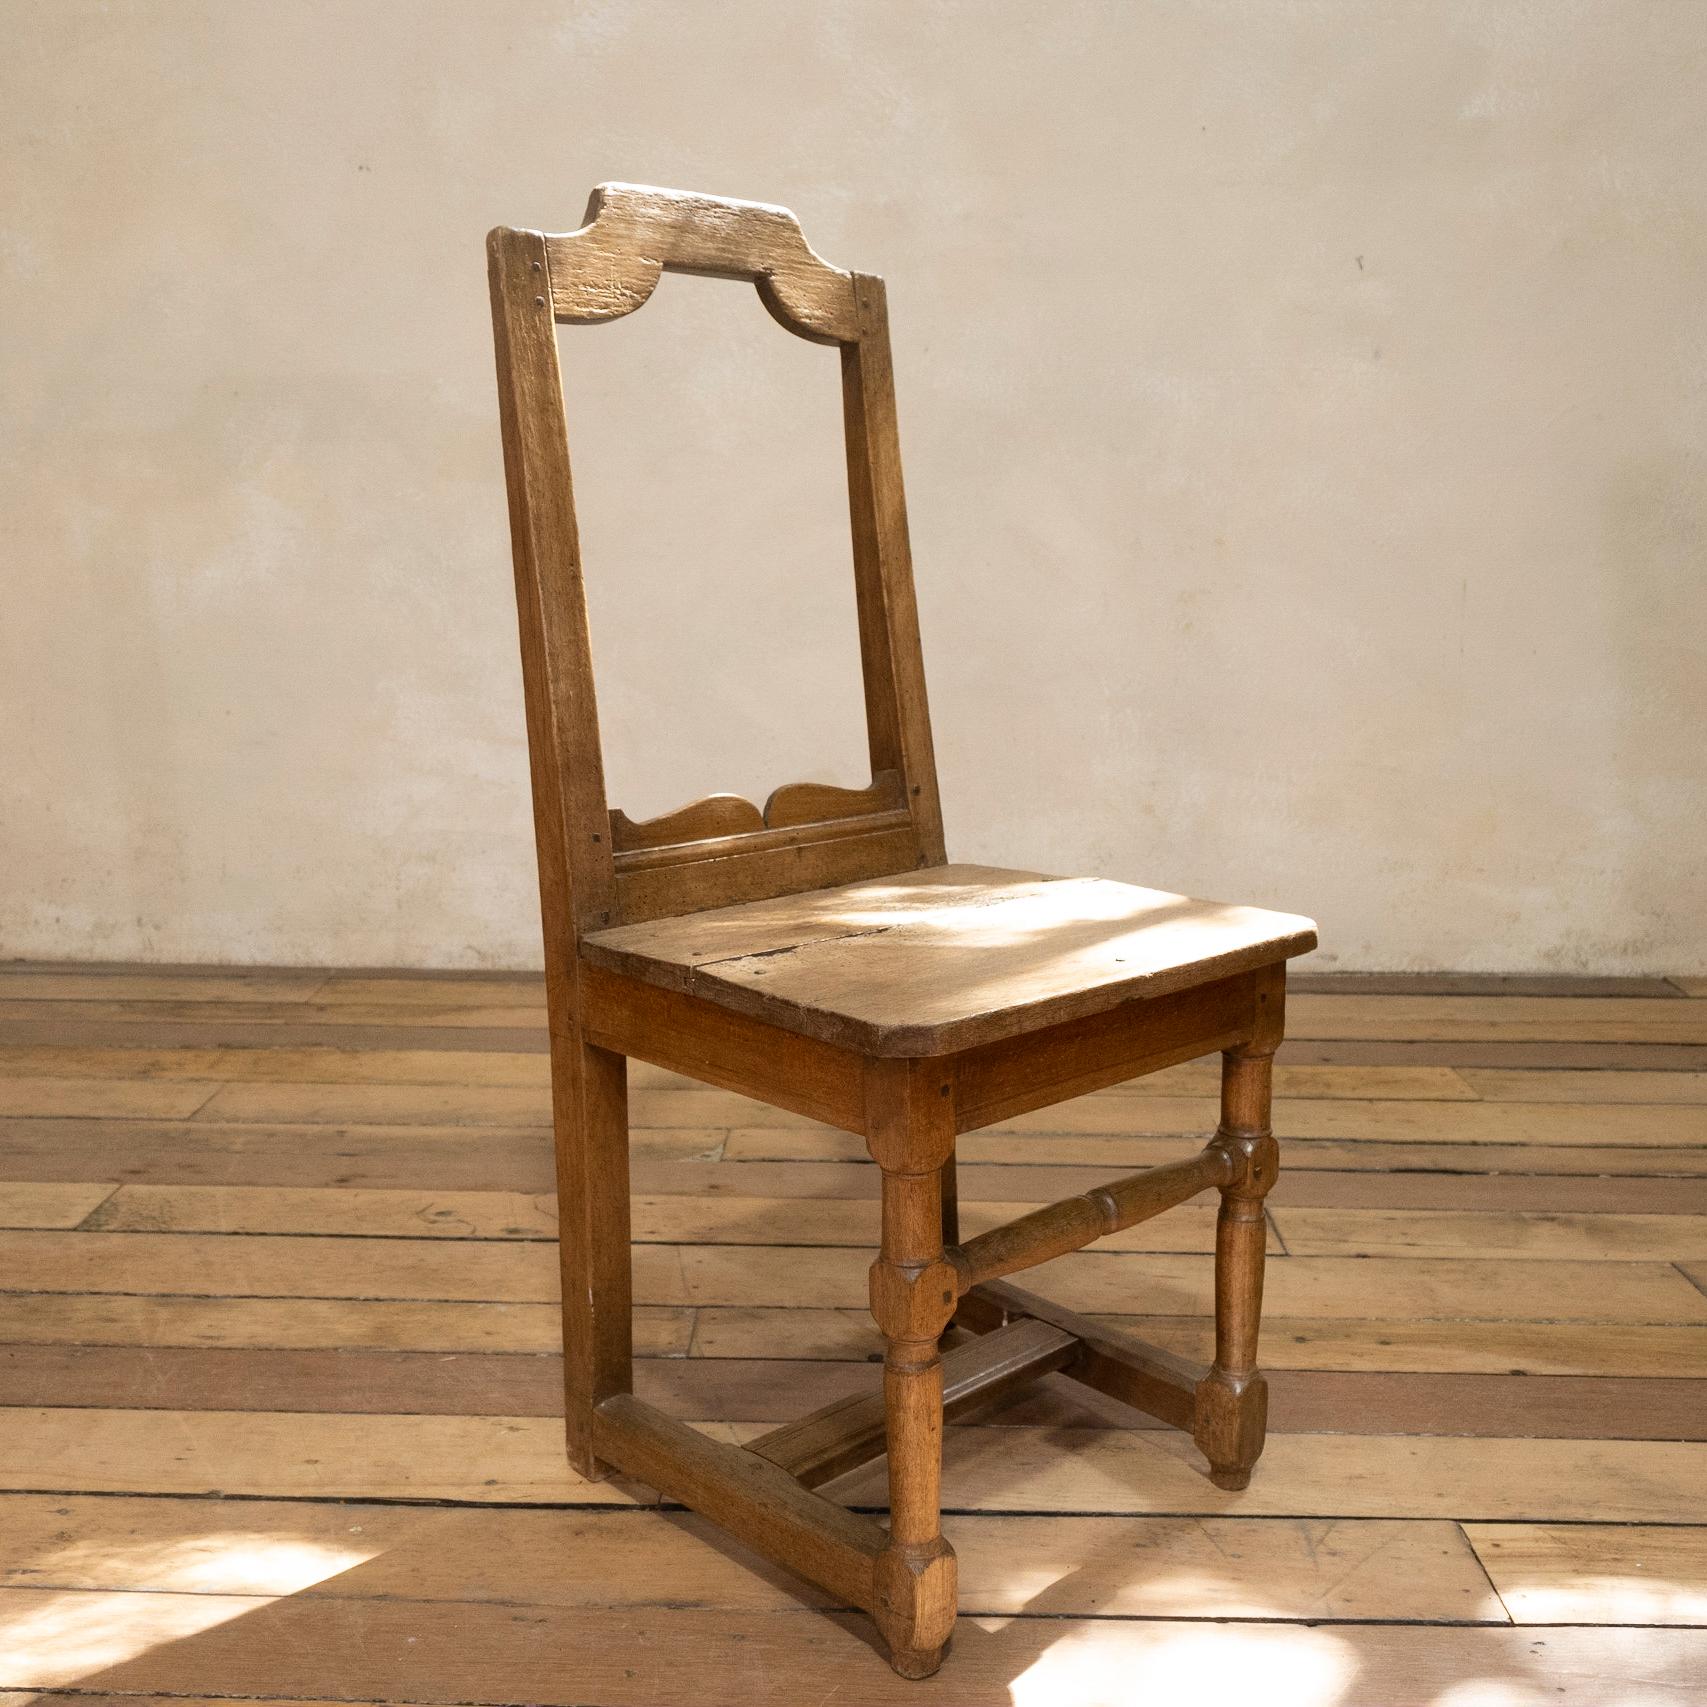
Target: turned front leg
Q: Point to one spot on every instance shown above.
(913, 1292)
(1231, 1410)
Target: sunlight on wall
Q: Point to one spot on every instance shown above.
(1210, 1665)
(56, 1635)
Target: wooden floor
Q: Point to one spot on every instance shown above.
(281, 1392)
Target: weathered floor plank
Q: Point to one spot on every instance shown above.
(1447, 1345)
(1055, 1566)
(1550, 1019)
(27, 1203)
(779, 1389)
(1552, 1573)
(673, 1219)
(1444, 1345)
(518, 1460)
(525, 1271)
(295, 1455)
(301, 1648)
(784, 1143)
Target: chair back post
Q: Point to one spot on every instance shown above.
(897, 713)
(571, 831)
(598, 867)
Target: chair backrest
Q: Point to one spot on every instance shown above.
(597, 866)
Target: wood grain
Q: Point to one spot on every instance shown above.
(260, 1265)
(1443, 1345)
(26, 1203)
(686, 1160)
(673, 1219)
(784, 1143)
(634, 232)
(292, 1455)
(299, 1649)
(759, 1332)
(70, 1097)
(1382, 1232)
(1549, 1573)
(384, 1104)
(261, 1022)
(1480, 984)
(881, 967)
(1052, 1567)
(1349, 1475)
(513, 1028)
(1552, 1019)
(321, 1154)
(133, 984)
(506, 1460)
(1575, 1087)
(1426, 1084)
(106, 1319)
(1390, 1122)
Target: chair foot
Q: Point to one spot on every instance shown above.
(589, 1468)
(916, 1663)
(916, 1601)
(1229, 1423)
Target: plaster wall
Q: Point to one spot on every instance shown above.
(1303, 405)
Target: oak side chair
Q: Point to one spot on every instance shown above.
(822, 956)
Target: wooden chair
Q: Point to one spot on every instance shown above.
(822, 956)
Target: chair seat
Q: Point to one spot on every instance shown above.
(949, 957)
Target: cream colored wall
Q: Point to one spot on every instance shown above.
(1303, 405)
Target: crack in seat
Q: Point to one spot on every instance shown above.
(927, 962)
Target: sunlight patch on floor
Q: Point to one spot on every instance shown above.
(1210, 1666)
(52, 1638)
(1609, 1599)
(57, 1635)
(228, 1561)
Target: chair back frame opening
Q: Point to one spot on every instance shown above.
(598, 867)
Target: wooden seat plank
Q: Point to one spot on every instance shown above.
(960, 955)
